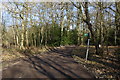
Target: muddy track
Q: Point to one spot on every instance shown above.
(56, 63)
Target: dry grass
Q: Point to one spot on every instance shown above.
(106, 66)
(9, 56)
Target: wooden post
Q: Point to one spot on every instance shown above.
(87, 49)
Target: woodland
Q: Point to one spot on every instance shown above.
(29, 29)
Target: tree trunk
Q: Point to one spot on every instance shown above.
(62, 26)
(117, 21)
(22, 37)
(42, 35)
(27, 43)
(78, 27)
(87, 21)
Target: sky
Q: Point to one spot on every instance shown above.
(9, 20)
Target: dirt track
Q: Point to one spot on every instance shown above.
(53, 64)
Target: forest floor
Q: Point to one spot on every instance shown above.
(60, 62)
